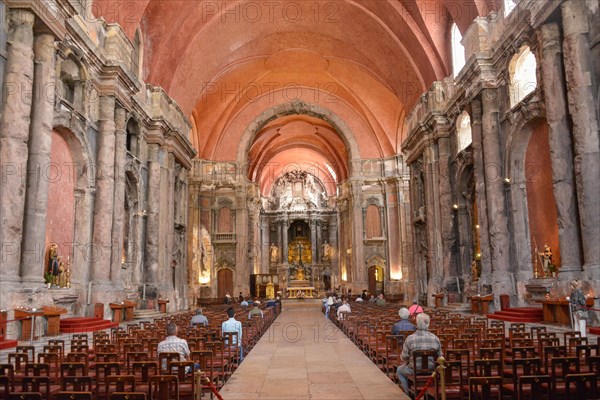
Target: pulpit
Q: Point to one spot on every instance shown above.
(475, 304)
(557, 311)
(118, 311)
(162, 305)
(485, 303)
(129, 307)
(27, 318)
(439, 299)
(52, 315)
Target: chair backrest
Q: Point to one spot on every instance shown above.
(582, 386)
(119, 383)
(66, 395)
(76, 383)
(539, 387)
(127, 396)
(485, 387)
(104, 369)
(73, 369)
(145, 368)
(8, 370)
(37, 369)
(164, 359)
(163, 387)
(40, 384)
(25, 396)
(489, 367)
(423, 361)
(29, 350)
(19, 360)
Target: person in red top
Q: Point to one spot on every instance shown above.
(415, 309)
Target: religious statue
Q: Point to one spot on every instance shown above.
(474, 271)
(546, 257)
(54, 263)
(274, 253)
(327, 251)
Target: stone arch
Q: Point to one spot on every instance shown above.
(528, 161)
(73, 75)
(299, 107)
(457, 49)
(133, 131)
(83, 175)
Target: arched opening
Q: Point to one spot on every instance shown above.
(509, 6)
(133, 132)
(464, 137)
(376, 278)
(60, 217)
(224, 282)
(522, 72)
(541, 205)
(137, 58)
(458, 50)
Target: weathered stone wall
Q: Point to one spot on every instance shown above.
(84, 87)
(566, 97)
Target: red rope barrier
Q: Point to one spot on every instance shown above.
(588, 308)
(427, 384)
(212, 387)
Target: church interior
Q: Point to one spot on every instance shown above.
(162, 155)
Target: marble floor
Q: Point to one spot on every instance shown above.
(304, 356)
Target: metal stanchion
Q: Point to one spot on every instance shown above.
(32, 329)
(442, 373)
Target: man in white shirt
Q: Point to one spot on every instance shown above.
(232, 325)
(343, 310)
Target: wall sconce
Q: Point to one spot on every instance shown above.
(477, 226)
(455, 207)
(507, 181)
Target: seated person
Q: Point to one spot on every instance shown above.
(173, 344)
(404, 324)
(244, 303)
(415, 309)
(380, 300)
(255, 312)
(372, 299)
(422, 339)
(199, 319)
(343, 309)
(233, 325)
(359, 299)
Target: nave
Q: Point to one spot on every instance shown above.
(305, 356)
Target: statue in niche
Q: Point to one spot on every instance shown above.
(274, 253)
(54, 263)
(546, 257)
(327, 251)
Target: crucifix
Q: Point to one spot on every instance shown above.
(300, 247)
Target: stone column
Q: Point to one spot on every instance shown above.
(447, 213)
(561, 149)
(494, 190)
(152, 220)
(105, 191)
(479, 174)
(357, 270)
(432, 201)
(280, 241)
(284, 243)
(265, 244)
(313, 240)
(40, 143)
(119, 194)
(14, 135)
(582, 107)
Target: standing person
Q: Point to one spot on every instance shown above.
(364, 295)
(422, 339)
(232, 325)
(578, 311)
(328, 305)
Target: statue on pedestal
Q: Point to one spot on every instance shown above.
(546, 257)
(274, 253)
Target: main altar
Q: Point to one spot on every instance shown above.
(300, 275)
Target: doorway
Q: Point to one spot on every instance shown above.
(224, 282)
(376, 279)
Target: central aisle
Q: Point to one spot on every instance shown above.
(304, 356)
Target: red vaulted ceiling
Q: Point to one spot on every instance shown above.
(228, 62)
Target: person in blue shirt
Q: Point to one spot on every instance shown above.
(232, 325)
(404, 324)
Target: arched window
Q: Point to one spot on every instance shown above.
(225, 224)
(509, 5)
(463, 131)
(522, 75)
(69, 74)
(138, 53)
(458, 51)
(373, 222)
